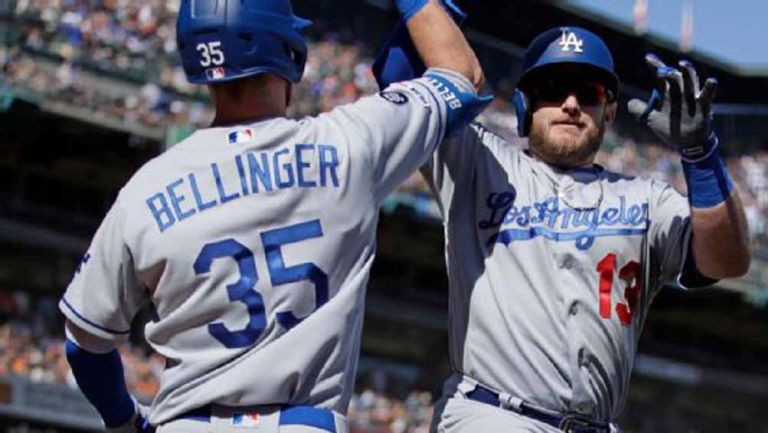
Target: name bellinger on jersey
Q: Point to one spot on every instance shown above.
(298, 166)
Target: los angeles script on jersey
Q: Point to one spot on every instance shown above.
(298, 166)
(561, 224)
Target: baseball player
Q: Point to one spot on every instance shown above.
(253, 239)
(553, 261)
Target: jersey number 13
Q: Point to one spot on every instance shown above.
(630, 274)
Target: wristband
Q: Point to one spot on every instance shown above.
(409, 8)
(708, 181)
(694, 154)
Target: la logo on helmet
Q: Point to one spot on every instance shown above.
(569, 41)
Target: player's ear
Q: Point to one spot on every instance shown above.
(610, 112)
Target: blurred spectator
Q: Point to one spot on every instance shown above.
(136, 38)
(370, 412)
(32, 345)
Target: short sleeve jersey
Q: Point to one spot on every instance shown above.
(253, 243)
(551, 271)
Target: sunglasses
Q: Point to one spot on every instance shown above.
(557, 89)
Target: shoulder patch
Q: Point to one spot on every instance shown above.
(394, 97)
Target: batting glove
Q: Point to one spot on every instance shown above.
(679, 110)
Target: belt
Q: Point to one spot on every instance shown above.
(566, 423)
(289, 415)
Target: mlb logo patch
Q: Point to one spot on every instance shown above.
(245, 420)
(240, 136)
(394, 97)
(216, 73)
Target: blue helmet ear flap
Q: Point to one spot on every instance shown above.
(523, 111)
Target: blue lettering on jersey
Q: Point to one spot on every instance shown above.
(177, 199)
(300, 166)
(201, 204)
(241, 173)
(158, 206)
(329, 161)
(259, 171)
(223, 197)
(547, 219)
(287, 168)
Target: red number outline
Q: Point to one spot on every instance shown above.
(631, 275)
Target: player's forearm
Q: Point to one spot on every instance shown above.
(721, 239)
(100, 378)
(441, 44)
(98, 370)
(720, 234)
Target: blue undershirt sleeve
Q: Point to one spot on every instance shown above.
(100, 378)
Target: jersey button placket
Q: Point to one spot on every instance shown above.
(564, 263)
(577, 346)
(584, 408)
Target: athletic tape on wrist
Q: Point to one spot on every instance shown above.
(708, 181)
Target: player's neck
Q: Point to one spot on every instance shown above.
(224, 119)
(249, 100)
(586, 163)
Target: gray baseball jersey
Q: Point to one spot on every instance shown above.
(551, 272)
(254, 243)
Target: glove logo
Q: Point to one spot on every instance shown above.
(570, 42)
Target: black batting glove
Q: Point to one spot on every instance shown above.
(679, 110)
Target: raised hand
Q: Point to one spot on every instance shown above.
(679, 110)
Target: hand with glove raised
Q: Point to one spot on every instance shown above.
(680, 113)
(679, 110)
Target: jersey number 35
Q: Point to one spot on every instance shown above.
(244, 289)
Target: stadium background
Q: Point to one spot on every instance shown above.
(91, 89)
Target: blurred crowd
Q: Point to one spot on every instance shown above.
(58, 49)
(135, 38)
(55, 48)
(32, 346)
(372, 412)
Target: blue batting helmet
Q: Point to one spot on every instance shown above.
(557, 47)
(223, 40)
